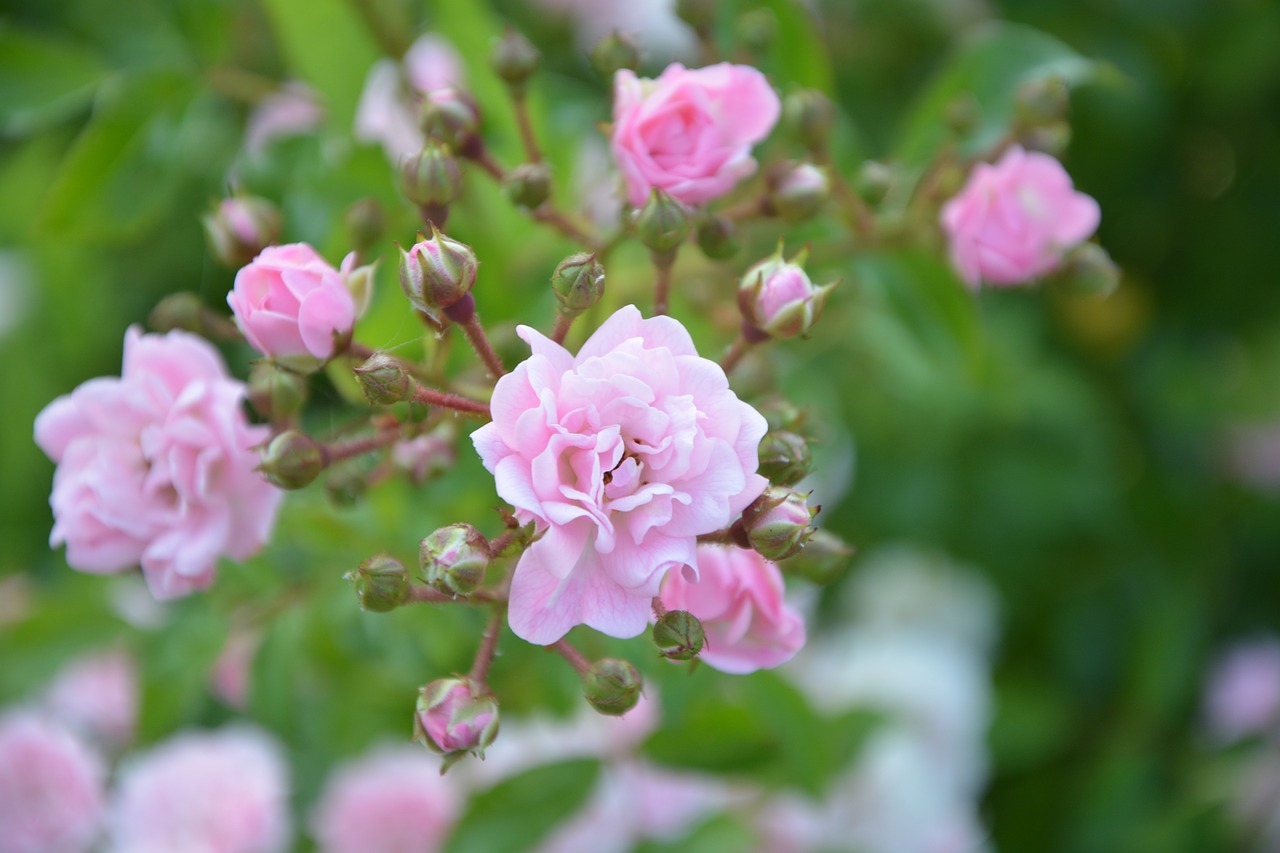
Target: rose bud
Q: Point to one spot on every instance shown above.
(612, 686)
(798, 190)
(873, 181)
(809, 115)
(613, 53)
(528, 185)
(776, 297)
(451, 116)
(578, 283)
(292, 460)
(276, 392)
(784, 457)
(381, 583)
(1087, 270)
(454, 559)
(384, 380)
(455, 716)
(239, 228)
(436, 273)
(364, 224)
(678, 635)
(717, 238)
(779, 523)
(663, 223)
(782, 414)
(432, 178)
(515, 59)
(359, 281)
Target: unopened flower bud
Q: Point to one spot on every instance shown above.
(1041, 102)
(678, 635)
(432, 178)
(528, 184)
(963, 114)
(364, 225)
(784, 457)
(612, 686)
(779, 522)
(873, 181)
(782, 414)
(1088, 270)
(777, 298)
(798, 190)
(381, 584)
(699, 14)
(454, 559)
(515, 59)
(578, 283)
(240, 227)
(359, 281)
(451, 116)
(718, 238)
(822, 560)
(809, 115)
(613, 53)
(757, 29)
(663, 223)
(183, 311)
(455, 716)
(276, 392)
(384, 380)
(292, 460)
(436, 273)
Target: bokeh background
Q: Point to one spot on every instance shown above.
(1110, 465)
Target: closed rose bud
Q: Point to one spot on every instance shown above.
(436, 273)
(183, 311)
(451, 116)
(292, 460)
(454, 559)
(239, 228)
(276, 392)
(455, 716)
(613, 53)
(782, 414)
(1087, 270)
(873, 181)
(809, 115)
(528, 185)
(384, 380)
(612, 686)
(663, 223)
(779, 523)
(798, 190)
(784, 457)
(718, 238)
(678, 635)
(364, 224)
(359, 281)
(578, 283)
(515, 59)
(381, 584)
(776, 297)
(822, 560)
(432, 178)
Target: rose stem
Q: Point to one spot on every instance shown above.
(736, 351)
(526, 129)
(488, 645)
(662, 263)
(463, 312)
(561, 331)
(432, 397)
(572, 655)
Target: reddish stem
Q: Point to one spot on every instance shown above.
(526, 130)
(736, 351)
(561, 331)
(572, 655)
(488, 647)
(465, 405)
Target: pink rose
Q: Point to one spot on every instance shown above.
(51, 788)
(1244, 690)
(156, 468)
(390, 801)
(289, 302)
(212, 792)
(738, 598)
(1013, 221)
(690, 132)
(97, 696)
(622, 455)
(292, 110)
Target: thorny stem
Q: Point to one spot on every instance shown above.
(480, 343)
(526, 130)
(575, 658)
(465, 405)
(659, 609)
(502, 543)
(561, 331)
(338, 451)
(488, 645)
(662, 263)
(431, 595)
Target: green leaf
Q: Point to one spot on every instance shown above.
(990, 67)
(715, 835)
(798, 55)
(519, 812)
(43, 79)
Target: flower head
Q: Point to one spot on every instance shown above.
(622, 455)
(97, 695)
(690, 132)
(51, 788)
(1012, 221)
(156, 468)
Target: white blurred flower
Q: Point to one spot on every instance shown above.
(387, 113)
(653, 23)
(1243, 696)
(291, 110)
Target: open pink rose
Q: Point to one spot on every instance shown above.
(738, 598)
(622, 455)
(213, 792)
(1013, 221)
(51, 788)
(690, 132)
(289, 302)
(393, 800)
(156, 468)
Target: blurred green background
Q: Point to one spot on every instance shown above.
(1075, 448)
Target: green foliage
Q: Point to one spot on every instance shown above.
(541, 797)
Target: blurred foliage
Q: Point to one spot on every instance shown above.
(1071, 446)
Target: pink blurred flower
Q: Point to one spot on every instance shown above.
(738, 597)
(97, 696)
(157, 467)
(390, 801)
(690, 132)
(204, 792)
(1243, 698)
(233, 668)
(289, 302)
(1012, 221)
(291, 110)
(622, 455)
(51, 788)
(388, 110)
(1253, 455)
